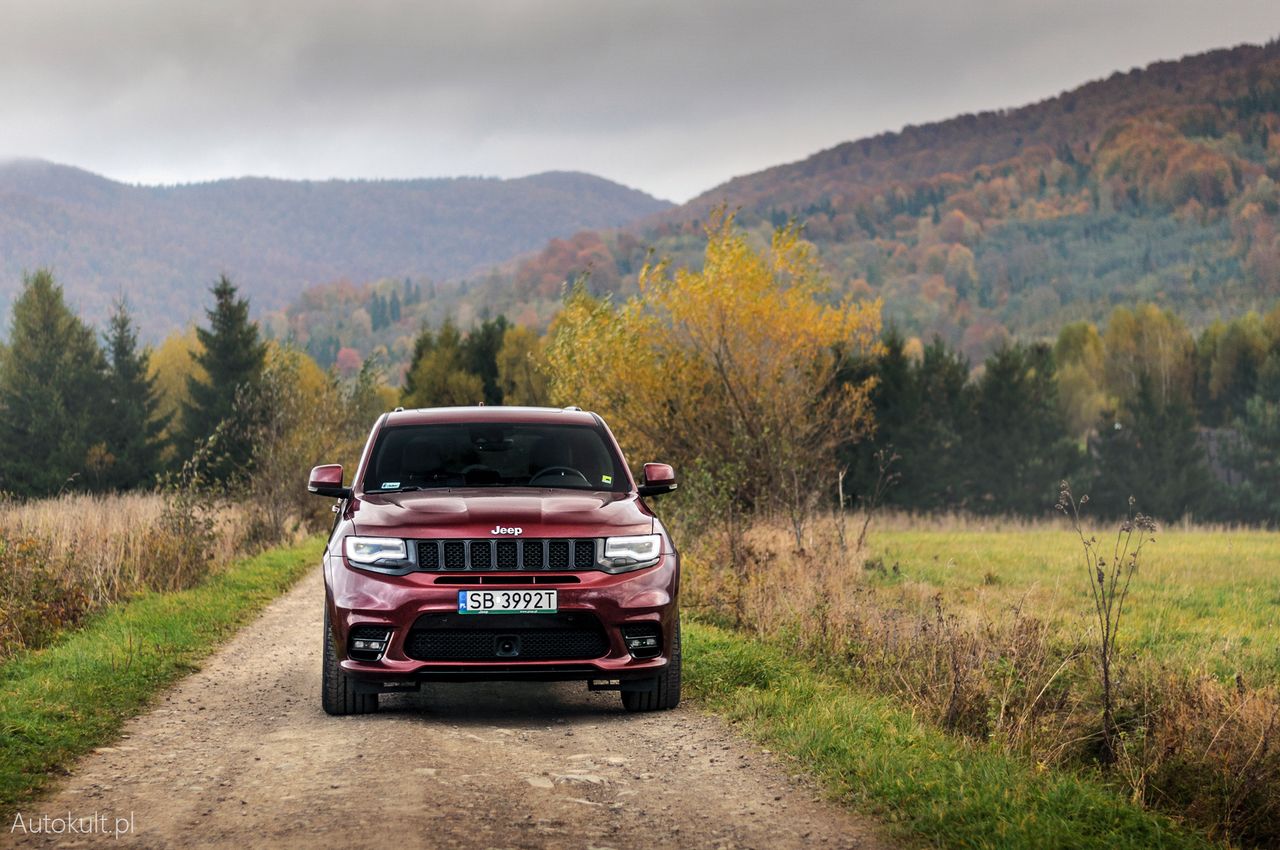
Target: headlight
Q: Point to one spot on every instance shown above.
(370, 550)
(631, 553)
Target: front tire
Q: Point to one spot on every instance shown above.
(337, 692)
(665, 693)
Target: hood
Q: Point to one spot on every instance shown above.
(477, 513)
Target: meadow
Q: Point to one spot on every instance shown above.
(1206, 597)
(986, 630)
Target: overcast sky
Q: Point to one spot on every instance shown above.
(669, 97)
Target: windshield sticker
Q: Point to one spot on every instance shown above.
(606, 479)
(389, 485)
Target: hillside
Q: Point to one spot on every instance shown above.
(164, 245)
(1157, 184)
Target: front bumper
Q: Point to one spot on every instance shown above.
(360, 598)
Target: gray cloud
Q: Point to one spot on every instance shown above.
(671, 97)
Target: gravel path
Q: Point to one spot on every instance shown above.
(240, 755)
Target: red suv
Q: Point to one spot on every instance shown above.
(483, 543)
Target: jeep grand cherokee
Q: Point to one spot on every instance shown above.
(497, 543)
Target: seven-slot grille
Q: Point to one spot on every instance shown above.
(469, 555)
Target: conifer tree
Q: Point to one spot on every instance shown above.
(1151, 451)
(232, 358)
(480, 355)
(1255, 456)
(1020, 448)
(132, 428)
(51, 389)
(934, 464)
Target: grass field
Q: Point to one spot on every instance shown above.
(1205, 597)
(986, 631)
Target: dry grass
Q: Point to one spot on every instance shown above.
(983, 626)
(63, 559)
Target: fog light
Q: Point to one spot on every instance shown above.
(643, 640)
(368, 643)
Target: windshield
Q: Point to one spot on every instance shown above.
(488, 454)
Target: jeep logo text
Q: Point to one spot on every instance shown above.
(502, 529)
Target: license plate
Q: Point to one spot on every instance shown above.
(506, 602)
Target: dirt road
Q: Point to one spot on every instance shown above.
(240, 755)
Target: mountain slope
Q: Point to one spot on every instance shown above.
(163, 246)
(960, 144)
(1160, 183)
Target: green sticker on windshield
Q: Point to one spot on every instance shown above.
(389, 485)
(606, 479)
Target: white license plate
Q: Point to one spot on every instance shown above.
(506, 602)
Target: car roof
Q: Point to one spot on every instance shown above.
(496, 413)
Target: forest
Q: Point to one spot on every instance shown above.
(1138, 404)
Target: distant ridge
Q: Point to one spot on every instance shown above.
(164, 245)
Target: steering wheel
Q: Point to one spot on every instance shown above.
(564, 472)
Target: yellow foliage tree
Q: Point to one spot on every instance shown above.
(1150, 342)
(522, 375)
(171, 364)
(303, 416)
(1080, 355)
(733, 369)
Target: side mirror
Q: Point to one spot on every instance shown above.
(659, 478)
(327, 481)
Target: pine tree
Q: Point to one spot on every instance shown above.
(132, 428)
(1151, 451)
(480, 355)
(1019, 449)
(937, 410)
(890, 397)
(51, 391)
(232, 358)
(1255, 456)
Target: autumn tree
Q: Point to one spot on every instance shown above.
(735, 366)
(1152, 344)
(52, 376)
(1229, 356)
(277, 414)
(438, 375)
(522, 376)
(1079, 356)
(170, 367)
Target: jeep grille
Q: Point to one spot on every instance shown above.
(476, 555)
